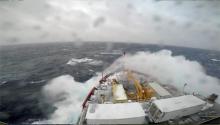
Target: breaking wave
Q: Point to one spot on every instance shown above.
(216, 60)
(66, 95)
(86, 60)
(4, 82)
(173, 70)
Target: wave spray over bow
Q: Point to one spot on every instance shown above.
(173, 70)
(67, 95)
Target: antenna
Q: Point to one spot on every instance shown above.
(184, 87)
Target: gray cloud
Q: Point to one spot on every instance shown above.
(172, 22)
(188, 24)
(44, 35)
(178, 3)
(7, 25)
(13, 40)
(99, 20)
(37, 27)
(157, 18)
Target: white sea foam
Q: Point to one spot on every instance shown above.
(95, 62)
(34, 82)
(216, 60)
(86, 60)
(66, 95)
(3, 83)
(75, 61)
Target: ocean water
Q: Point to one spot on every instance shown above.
(25, 69)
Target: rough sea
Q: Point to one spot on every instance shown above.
(25, 69)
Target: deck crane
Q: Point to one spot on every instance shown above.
(143, 93)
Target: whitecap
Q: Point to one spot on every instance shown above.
(40, 81)
(89, 61)
(3, 83)
(75, 61)
(216, 60)
(95, 62)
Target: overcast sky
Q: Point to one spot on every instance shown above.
(187, 23)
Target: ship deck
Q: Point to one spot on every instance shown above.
(103, 107)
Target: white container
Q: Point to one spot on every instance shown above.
(159, 90)
(173, 108)
(118, 113)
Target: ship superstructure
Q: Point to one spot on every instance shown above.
(130, 97)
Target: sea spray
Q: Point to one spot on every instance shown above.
(168, 69)
(66, 95)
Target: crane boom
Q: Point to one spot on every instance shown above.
(142, 93)
(139, 89)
